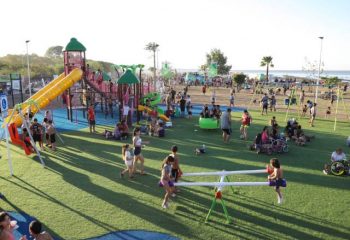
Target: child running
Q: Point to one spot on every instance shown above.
(165, 179)
(128, 160)
(277, 176)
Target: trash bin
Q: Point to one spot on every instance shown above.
(294, 101)
(286, 101)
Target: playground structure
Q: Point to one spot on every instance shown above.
(221, 184)
(208, 123)
(340, 96)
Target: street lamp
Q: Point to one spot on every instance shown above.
(28, 70)
(319, 70)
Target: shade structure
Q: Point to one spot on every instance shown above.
(75, 45)
(128, 78)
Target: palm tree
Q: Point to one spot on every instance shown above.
(267, 61)
(152, 46)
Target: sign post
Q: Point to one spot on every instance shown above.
(4, 114)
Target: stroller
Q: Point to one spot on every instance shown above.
(279, 145)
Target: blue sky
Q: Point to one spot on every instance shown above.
(245, 30)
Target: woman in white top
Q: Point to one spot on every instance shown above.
(137, 143)
(128, 160)
(338, 155)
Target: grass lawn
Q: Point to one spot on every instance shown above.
(80, 195)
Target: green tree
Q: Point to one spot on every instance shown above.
(152, 47)
(267, 61)
(329, 81)
(219, 58)
(54, 52)
(239, 79)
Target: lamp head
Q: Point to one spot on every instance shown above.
(320, 38)
(27, 41)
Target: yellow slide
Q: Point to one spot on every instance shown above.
(48, 93)
(149, 110)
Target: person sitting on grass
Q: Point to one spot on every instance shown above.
(337, 156)
(257, 144)
(113, 135)
(299, 136)
(166, 180)
(265, 136)
(124, 130)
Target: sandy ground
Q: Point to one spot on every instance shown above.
(245, 98)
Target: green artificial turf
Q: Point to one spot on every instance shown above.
(80, 195)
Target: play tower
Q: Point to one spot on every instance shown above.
(74, 57)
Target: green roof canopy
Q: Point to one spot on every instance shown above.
(105, 76)
(128, 78)
(75, 45)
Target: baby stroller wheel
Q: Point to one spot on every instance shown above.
(337, 168)
(269, 151)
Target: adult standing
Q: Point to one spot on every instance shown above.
(137, 143)
(264, 102)
(302, 97)
(313, 113)
(273, 103)
(182, 106)
(225, 122)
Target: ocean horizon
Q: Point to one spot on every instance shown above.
(341, 74)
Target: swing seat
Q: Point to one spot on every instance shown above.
(15, 138)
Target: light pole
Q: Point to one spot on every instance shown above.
(319, 70)
(28, 70)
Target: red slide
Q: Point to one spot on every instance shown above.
(15, 138)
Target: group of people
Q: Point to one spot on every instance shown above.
(213, 112)
(7, 227)
(120, 131)
(226, 122)
(131, 160)
(39, 132)
(294, 131)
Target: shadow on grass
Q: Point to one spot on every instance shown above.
(123, 201)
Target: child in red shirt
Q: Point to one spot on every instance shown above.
(91, 118)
